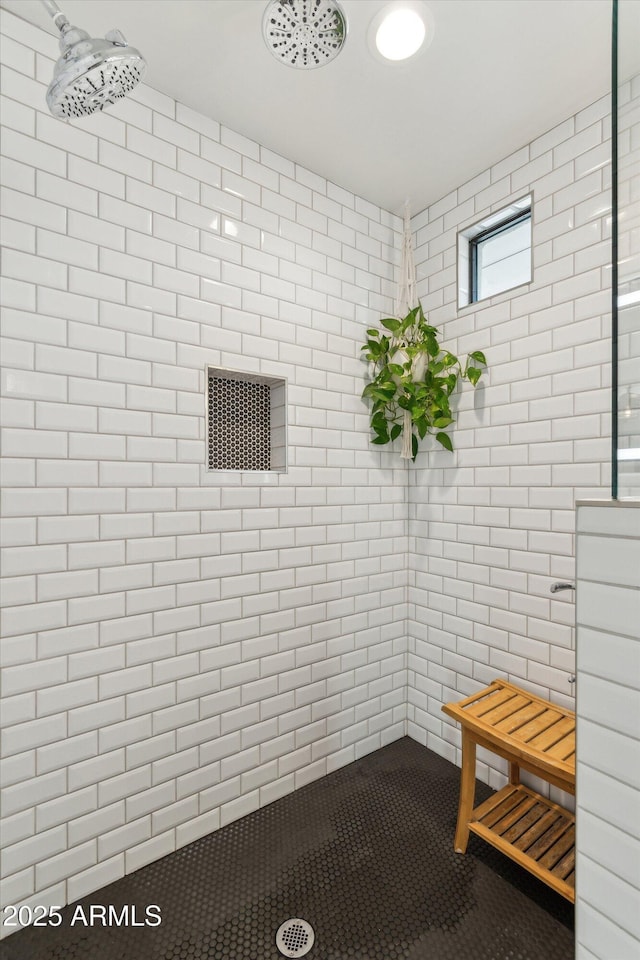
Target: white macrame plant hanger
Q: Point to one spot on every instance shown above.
(406, 300)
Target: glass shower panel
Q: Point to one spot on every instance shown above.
(626, 379)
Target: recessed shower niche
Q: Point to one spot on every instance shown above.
(246, 421)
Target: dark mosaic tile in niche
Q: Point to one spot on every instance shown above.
(238, 424)
(365, 855)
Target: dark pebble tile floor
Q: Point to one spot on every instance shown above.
(365, 855)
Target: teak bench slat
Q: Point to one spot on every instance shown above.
(538, 736)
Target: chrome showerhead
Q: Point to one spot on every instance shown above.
(91, 73)
(304, 33)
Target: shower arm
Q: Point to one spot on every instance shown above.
(71, 35)
(56, 14)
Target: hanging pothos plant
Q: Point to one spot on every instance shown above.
(413, 380)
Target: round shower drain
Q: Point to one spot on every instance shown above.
(295, 938)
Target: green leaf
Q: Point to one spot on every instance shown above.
(392, 325)
(372, 332)
(414, 446)
(379, 394)
(410, 319)
(479, 356)
(445, 440)
(369, 389)
(396, 430)
(474, 374)
(396, 369)
(442, 421)
(422, 426)
(380, 439)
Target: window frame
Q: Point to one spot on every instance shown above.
(501, 218)
(488, 234)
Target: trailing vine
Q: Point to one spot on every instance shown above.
(413, 379)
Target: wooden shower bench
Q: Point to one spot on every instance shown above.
(535, 735)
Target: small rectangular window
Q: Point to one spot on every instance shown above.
(494, 255)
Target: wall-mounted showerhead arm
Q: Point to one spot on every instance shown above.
(69, 35)
(56, 13)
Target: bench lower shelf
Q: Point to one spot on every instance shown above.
(536, 833)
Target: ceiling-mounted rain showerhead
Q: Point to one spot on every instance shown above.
(304, 33)
(91, 73)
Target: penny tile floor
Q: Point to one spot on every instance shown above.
(365, 855)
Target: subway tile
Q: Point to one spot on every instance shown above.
(176, 133)
(17, 176)
(613, 560)
(125, 266)
(63, 191)
(88, 609)
(121, 838)
(122, 214)
(153, 849)
(155, 100)
(150, 198)
(24, 266)
(34, 210)
(17, 116)
(21, 236)
(123, 161)
(34, 734)
(94, 878)
(150, 248)
(18, 856)
(62, 809)
(609, 607)
(94, 283)
(17, 294)
(18, 56)
(149, 146)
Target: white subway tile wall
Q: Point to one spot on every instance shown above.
(180, 647)
(492, 527)
(628, 301)
(608, 700)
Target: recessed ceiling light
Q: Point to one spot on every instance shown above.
(400, 30)
(400, 35)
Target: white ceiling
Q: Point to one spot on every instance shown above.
(497, 74)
